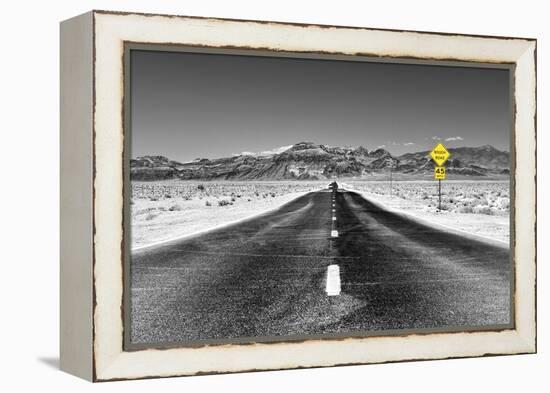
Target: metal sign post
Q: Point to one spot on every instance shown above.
(392, 163)
(391, 181)
(439, 194)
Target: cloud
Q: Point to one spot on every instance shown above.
(381, 146)
(275, 151)
(265, 152)
(455, 138)
(436, 138)
(408, 143)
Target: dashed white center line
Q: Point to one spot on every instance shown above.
(334, 233)
(333, 218)
(333, 280)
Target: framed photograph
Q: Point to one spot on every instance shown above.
(248, 195)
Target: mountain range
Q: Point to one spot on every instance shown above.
(310, 161)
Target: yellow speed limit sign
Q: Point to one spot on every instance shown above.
(439, 173)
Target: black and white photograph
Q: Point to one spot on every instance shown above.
(275, 198)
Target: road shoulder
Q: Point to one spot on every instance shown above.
(444, 221)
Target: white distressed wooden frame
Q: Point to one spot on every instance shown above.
(92, 89)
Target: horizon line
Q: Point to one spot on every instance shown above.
(259, 154)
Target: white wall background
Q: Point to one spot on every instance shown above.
(29, 194)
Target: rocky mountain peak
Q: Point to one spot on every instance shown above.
(303, 146)
(380, 152)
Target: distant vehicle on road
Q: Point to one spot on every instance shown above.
(333, 185)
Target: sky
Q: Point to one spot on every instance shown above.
(188, 105)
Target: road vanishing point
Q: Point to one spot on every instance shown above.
(328, 262)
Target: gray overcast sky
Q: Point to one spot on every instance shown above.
(188, 105)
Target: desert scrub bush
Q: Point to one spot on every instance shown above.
(150, 216)
(223, 202)
(482, 209)
(174, 208)
(503, 203)
(466, 209)
(208, 203)
(200, 187)
(144, 211)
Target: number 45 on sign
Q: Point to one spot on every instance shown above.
(439, 173)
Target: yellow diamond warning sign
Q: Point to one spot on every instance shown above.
(439, 173)
(439, 154)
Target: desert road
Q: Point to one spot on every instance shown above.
(327, 262)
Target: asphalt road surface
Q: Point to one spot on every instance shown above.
(269, 276)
